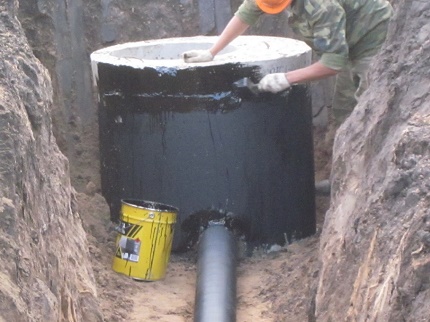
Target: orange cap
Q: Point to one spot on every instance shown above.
(273, 6)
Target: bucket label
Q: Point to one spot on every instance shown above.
(129, 249)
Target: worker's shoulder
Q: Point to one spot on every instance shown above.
(311, 7)
(317, 10)
(336, 7)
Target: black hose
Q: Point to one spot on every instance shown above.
(215, 299)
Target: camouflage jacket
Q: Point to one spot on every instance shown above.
(337, 30)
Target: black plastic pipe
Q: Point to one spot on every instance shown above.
(215, 299)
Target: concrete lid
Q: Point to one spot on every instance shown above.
(247, 50)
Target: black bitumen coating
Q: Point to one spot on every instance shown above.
(189, 139)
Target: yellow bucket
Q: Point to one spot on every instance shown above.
(145, 239)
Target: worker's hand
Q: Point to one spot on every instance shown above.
(197, 56)
(273, 83)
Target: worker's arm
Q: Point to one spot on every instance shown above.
(310, 73)
(234, 28)
(281, 81)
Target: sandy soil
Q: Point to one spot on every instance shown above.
(271, 286)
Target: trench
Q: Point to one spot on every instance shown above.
(186, 136)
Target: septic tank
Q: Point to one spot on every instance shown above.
(186, 135)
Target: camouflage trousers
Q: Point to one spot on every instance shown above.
(350, 84)
(354, 80)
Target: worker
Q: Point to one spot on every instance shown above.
(345, 34)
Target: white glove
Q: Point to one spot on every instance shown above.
(197, 56)
(273, 83)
